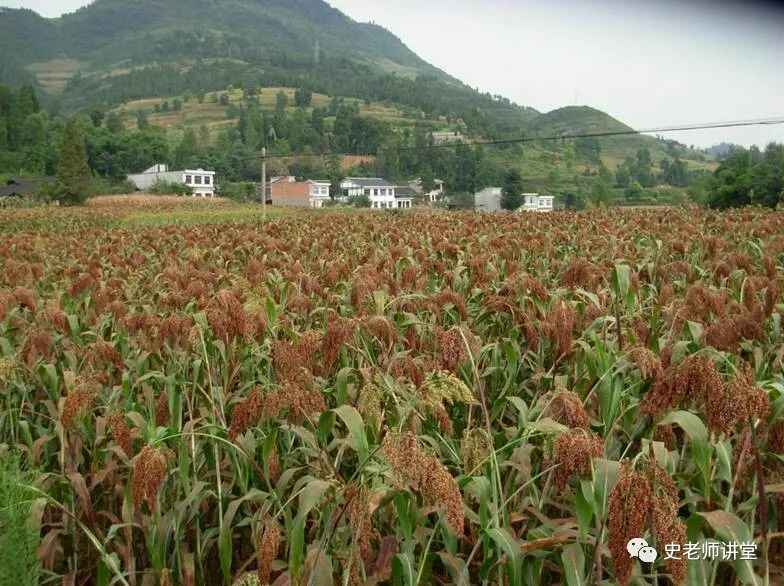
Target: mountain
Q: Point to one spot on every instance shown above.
(215, 59)
(111, 31)
(112, 51)
(576, 120)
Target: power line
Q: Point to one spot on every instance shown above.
(529, 139)
(522, 140)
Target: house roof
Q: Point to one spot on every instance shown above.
(369, 181)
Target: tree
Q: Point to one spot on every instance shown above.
(186, 150)
(462, 201)
(634, 191)
(512, 194)
(749, 177)
(97, 115)
(73, 173)
(601, 193)
(281, 103)
(114, 123)
(141, 120)
(334, 174)
(644, 168)
(573, 201)
(622, 176)
(428, 180)
(589, 149)
(303, 97)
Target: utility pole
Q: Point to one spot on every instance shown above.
(264, 182)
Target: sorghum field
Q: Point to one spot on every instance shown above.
(330, 398)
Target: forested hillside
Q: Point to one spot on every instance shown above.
(151, 48)
(210, 82)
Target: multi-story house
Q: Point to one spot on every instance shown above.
(537, 203)
(288, 192)
(201, 182)
(381, 193)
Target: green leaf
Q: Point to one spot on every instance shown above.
(696, 330)
(584, 507)
(310, 496)
(621, 280)
(689, 423)
(225, 543)
(403, 573)
(731, 528)
(548, 425)
(319, 566)
(356, 428)
(724, 461)
(573, 560)
(504, 540)
(521, 407)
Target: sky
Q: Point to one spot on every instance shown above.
(651, 64)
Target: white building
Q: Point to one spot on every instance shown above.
(448, 137)
(381, 193)
(537, 203)
(319, 193)
(201, 182)
(488, 200)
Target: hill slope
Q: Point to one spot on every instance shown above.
(575, 120)
(113, 51)
(111, 31)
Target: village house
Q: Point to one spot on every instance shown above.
(449, 137)
(489, 200)
(381, 193)
(201, 182)
(537, 203)
(288, 192)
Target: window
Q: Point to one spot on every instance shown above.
(188, 180)
(198, 179)
(207, 180)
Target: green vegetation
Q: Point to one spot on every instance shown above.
(199, 216)
(512, 191)
(284, 76)
(749, 177)
(73, 172)
(19, 533)
(167, 188)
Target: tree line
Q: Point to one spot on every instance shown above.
(749, 177)
(34, 142)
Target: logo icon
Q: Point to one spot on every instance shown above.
(639, 548)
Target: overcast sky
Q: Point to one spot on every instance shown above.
(648, 63)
